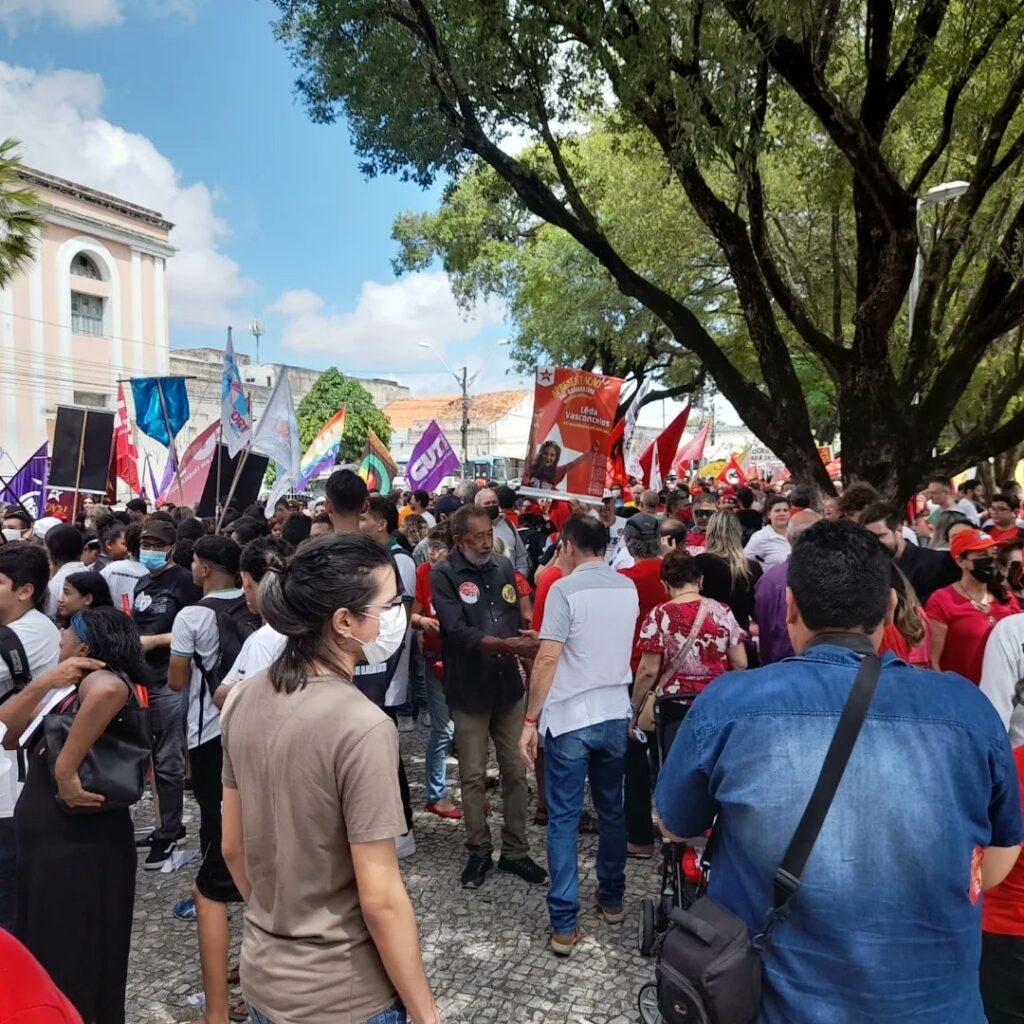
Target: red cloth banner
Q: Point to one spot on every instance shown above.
(733, 473)
(571, 435)
(194, 467)
(125, 455)
(692, 453)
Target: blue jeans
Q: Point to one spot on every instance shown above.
(417, 698)
(441, 731)
(394, 1015)
(597, 752)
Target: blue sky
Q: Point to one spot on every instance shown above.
(189, 106)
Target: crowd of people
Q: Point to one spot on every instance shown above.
(276, 656)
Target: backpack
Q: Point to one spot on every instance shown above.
(235, 624)
(12, 651)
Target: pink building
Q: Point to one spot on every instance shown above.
(91, 309)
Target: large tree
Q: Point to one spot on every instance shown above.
(758, 109)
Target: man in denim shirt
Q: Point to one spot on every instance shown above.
(887, 924)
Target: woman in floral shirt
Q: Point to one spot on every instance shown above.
(668, 661)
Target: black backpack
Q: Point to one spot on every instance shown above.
(13, 653)
(235, 623)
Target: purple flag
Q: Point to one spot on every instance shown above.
(431, 460)
(169, 470)
(28, 485)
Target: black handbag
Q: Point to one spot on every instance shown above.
(709, 969)
(115, 766)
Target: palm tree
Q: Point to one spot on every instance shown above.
(20, 215)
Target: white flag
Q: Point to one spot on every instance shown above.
(629, 436)
(236, 424)
(277, 435)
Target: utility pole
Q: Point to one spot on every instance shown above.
(465, 421)
(256, 330)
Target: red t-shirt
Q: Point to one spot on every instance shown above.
(1003, 910)
(920, 656)
(548, 579)
(425, 596)
(967, 629)
(27, 993)
(1003, 534)
(646, 577)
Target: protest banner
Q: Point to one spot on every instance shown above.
(571, 434)
(193, 469)
(431, 461)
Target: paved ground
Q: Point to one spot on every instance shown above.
(485, 951)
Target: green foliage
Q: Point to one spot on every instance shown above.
(19, 215)
(332, 391)
(654, 183)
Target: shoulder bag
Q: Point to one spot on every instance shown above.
(115, 765)
(709, 970)
(645, 715)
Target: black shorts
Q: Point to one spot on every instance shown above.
(214, 881)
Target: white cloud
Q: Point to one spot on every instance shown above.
(301, 302)
(85, 14)
(56, 115)
(389, 323)
(79, 14)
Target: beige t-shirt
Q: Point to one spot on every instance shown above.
(316, 770)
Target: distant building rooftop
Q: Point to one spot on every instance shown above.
(483, 409)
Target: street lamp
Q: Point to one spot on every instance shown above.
(256, 330)
(947, 192)
(463, 380)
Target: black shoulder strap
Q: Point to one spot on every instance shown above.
(787, 879)
(12, 651)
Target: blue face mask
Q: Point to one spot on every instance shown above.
(153, 560)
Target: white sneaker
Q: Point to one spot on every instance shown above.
(405, 724)
(405, 845)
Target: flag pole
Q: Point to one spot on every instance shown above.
(234, 484)
(78, 468)
(170, 439)
(220, 434)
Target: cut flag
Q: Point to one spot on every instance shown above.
(126, 458)
(236, 423)
(692, 452)
(733, 473)
(161, 407)
(323, 452)
(378, 469)
(277, 436)
(667, 443)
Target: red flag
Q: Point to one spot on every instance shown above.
(616, 475)
(125, 456)
(667, 443)
(693, 451)
(733, 473)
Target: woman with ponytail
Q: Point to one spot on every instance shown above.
(312, 806)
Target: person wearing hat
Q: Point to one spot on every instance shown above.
(158, 598)
(963, 614)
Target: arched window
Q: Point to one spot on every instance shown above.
(83, 266)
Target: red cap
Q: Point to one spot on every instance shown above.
(531, 508)
(966, 541)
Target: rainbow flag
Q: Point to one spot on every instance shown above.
(323, 452)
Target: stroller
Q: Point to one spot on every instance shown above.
(683, 869)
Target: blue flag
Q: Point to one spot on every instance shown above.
(153, 416)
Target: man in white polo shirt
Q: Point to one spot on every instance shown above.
(579, 692)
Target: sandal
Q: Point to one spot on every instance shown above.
(238, 1011)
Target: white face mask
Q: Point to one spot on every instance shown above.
(11, 534)
(389, 639)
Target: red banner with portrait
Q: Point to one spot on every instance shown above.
(572, 434)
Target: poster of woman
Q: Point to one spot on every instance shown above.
(571, 435)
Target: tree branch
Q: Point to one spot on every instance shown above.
(926, 28)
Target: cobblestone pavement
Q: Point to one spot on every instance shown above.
(485, 950)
